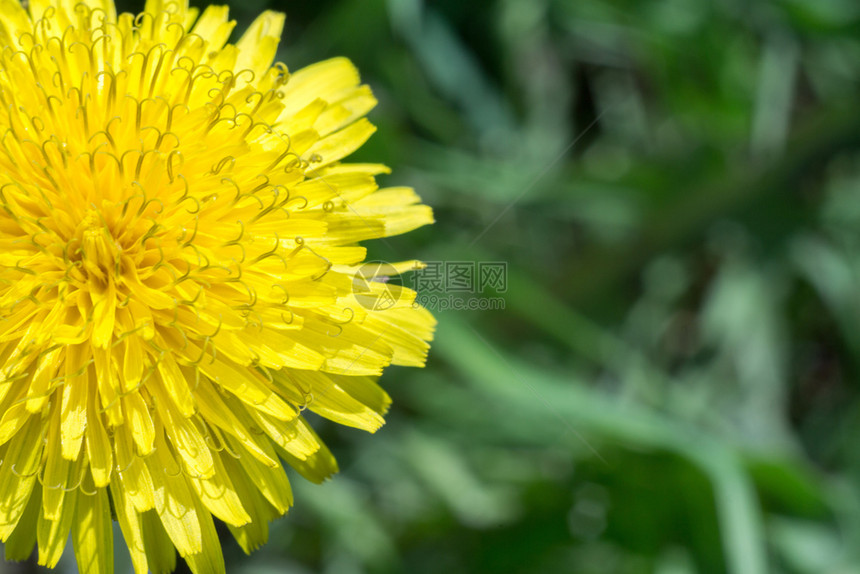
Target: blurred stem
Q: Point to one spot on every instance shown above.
(819, 138)
(518, 385)
(541, 308)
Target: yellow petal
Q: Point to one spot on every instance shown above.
(340, 144)
(323, 80)
(272, 482)
(43, 377)
(317, 467)
(14, 20)
(247, 385)
(160, 554)
(133, 472)
(98, 443)
(108, 385)
(254, 534)
(337, 405)
(19, 545)
(406, 330)
(210, 560)
(259, 43)
(130, 524)
(12, 421)
(175, 386)
(52, 534)
(59, 472)
(365, 390)
(216, 412)
(132, 363)
(355, 104)
(92, 531)
(293, 436)
(73, 418)
(214, 26)
(18, 474)
(218, 495)
(140, 423)
(174, 501)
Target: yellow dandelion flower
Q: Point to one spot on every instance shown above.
(178, 278)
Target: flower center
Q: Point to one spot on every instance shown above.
(99, 252)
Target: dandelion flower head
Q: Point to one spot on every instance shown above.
(178, 279)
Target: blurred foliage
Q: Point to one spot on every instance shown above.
(672, 386)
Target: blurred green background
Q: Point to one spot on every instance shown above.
(672, 384)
